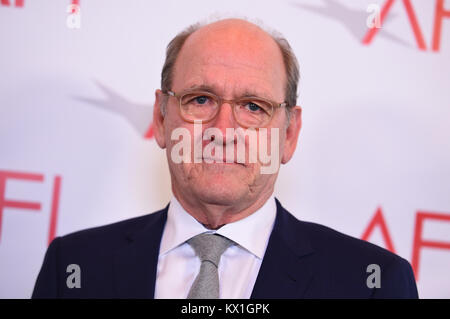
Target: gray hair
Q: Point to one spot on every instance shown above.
(289, 59)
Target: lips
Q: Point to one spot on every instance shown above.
(215, 160)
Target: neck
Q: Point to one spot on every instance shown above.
(213, 216)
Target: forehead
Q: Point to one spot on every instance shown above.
(231, 57)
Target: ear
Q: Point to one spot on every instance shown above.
(292, 133)
(158, 119)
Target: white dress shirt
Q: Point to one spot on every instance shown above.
(239, 265)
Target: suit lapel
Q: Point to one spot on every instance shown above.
(135, 264)
(287, 267)
(285, 272)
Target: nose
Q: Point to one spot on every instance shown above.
(224, 118)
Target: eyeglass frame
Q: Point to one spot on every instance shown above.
(221, 101)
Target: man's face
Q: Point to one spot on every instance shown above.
(230, 59)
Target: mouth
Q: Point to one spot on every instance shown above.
(218, 161)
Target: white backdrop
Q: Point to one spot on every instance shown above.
(75, 115)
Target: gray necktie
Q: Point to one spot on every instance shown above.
(209, 248)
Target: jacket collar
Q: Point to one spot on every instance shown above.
(285, 272)
(287, 267)
(135, 264)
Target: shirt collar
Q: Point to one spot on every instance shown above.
(251, 233)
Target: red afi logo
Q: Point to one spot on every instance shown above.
(18, 3)
(350, 18)
(418, 243)
(440, 14)
(6, 203)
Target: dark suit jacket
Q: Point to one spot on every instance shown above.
(302, 260)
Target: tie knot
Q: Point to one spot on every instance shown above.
(209, 247)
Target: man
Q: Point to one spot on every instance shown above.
(223, 235)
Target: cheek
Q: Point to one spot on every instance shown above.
(276, 138)
(282, 140)
(179, 134)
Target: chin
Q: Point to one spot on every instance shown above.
(221, 188)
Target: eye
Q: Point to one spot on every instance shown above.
(201, 99)
(253, 107)
(195, 99)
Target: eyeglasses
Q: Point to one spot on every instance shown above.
(249, 112)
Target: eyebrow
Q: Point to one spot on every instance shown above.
(213, 89)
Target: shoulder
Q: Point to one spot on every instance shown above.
(330, 242)
(97, 242)
(342, 261)
(93, 251)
